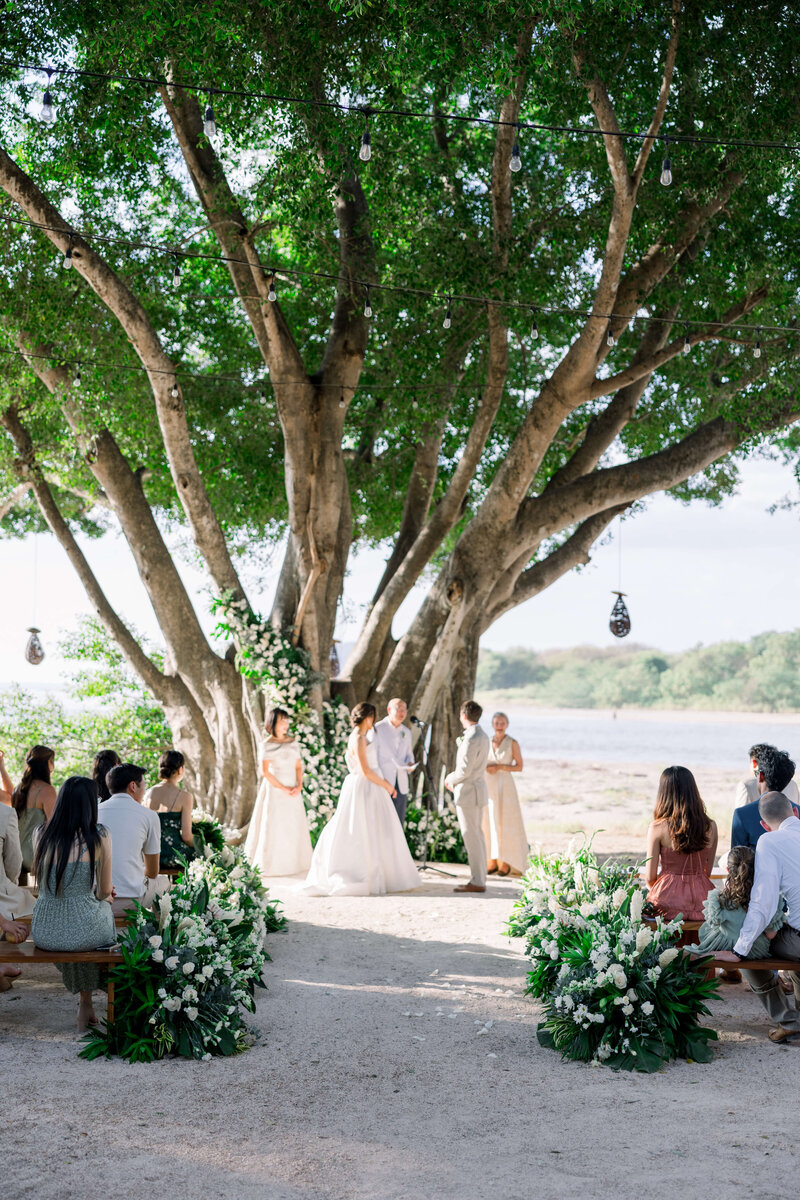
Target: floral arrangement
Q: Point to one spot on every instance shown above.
(191, 964)
(615, 990)
(284, 674)
(440, 831)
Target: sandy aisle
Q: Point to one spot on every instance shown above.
(347, 1098)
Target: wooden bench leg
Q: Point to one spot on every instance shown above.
(110, 1016)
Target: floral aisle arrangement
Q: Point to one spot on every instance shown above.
(615, 990)
(191, 964)
(441, 832)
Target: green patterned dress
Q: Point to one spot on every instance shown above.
(73, 920)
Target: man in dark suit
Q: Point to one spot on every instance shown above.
(774, 771)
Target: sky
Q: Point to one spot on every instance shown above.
(692, 574)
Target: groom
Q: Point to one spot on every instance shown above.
(468, 785)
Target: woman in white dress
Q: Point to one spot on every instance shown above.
(503, 827)
(362, 851)
(278, 841)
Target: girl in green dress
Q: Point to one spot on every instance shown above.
(726, 909)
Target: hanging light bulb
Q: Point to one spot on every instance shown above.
(176, 271)
(610, 339)
(272, 294)
(515, 162)
(757, 347)
(262, 396)
(448, 319)
(666, 166)
(67, 263)
(173, 391)
(687, 345)
(209, 124)
(367, 304)
(365, 150)
(76, 382)
(341, 399)
(534, 327)
(47, 113)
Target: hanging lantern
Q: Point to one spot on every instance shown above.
(620, 621)
(34, 651)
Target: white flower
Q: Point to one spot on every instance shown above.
(172, 1004)
(172, 962)
(155, 941)
(667, 956)
(188, 967)
(627, 1009)
(647, 1008)
(632, 996)
(618, 975)
(619, 897)
(208, 971)
(637, 904)
(191, 1013)
(158, 956)
(643, 938)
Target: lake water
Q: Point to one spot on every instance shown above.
(689, 739)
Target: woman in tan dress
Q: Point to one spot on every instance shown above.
(503, 827)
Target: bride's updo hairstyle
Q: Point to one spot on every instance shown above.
(360, 713)
(273, 716)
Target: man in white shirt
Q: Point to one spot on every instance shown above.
(393, 741)
(777, 872)
(468, 785)
(135, 839)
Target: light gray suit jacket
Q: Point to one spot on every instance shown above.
(469, 776)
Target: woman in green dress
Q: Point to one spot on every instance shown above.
(725, 910)
(174, 808)
(73, 854)
(34, 801)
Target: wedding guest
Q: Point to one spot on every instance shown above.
(777, 872)
(725, 910)
(468, 785)
(15, 901)
(6, 786)
(747, 790)
(503, 827)
(174, 808)
(34, 800)
(104, 760)
(773, 773)
(682, 838)
(278, 841)
(73, 857)
(136, 833)
(14, 931)
(395, 756)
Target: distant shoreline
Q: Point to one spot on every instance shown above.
(496, 700)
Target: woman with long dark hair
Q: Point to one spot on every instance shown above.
(362, 851)
(73, 854)
(174, 807)
(34, 800)
(104, 760)
(278, 841)
(682, 840)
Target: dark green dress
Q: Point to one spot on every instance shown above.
(172, 844)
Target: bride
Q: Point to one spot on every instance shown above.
(362, 851)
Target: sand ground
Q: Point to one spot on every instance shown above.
(371, 1078)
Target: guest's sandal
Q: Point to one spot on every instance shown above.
(782, 1035)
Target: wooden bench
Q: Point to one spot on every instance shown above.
(21, 953)
(747, 964)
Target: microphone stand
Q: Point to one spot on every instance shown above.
(423, 727)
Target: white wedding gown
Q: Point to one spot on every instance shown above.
(278, 841)
(362, 851)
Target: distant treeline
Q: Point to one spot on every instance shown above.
(762, 675)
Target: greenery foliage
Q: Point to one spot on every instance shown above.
(755, 676)
(441, 831)
(614, 990)
(191, 963)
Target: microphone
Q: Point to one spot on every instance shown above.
(416, 721)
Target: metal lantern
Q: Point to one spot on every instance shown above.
(34, 650)
(620, 620)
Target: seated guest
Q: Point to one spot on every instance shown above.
(104, 760)
(773, 773)
(34, 800)
(174, 808)
(136, 832)
(73, 854)
(14, 931)
(777, 872)
(682, 838)
(725, 910)
(747, 790)
(15, 901)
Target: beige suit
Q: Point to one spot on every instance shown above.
(14, 900)
(471, 797)
(747, 792)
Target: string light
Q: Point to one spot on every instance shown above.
(341, 399)
(610, 339)
(365, 150)
(67, 263)
(666, 166)
(272, 294)
(448, 319)
(76, 381)
(534, 327)
(209, 124)
(176, 271)
(757, 347)
(367, 304)
(47, 112)
(687, 345)
(173, 391)
(262, 396)
(515, 162)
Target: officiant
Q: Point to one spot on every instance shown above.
(395, 757)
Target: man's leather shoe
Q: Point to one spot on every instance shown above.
(469, 887)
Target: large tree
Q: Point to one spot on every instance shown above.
(487, 459)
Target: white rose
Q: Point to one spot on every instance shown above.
(155, 941)
(191, 1013)
(667, 956)
(188, 968)
(647, 1008)
(158, 956)
(208, 971)
(172, 962)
